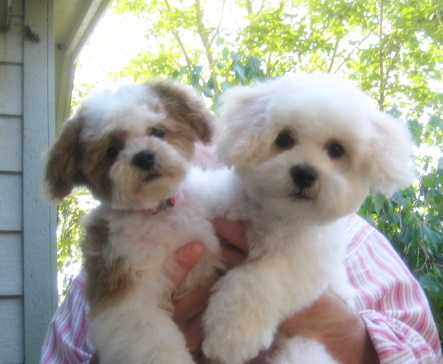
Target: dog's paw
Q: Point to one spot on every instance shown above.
(234, 344)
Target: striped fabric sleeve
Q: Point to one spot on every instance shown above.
(389, 299)
(67, 339)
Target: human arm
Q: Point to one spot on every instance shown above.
(389, 299)
(66, 339)
(391, 319)
(329, 321)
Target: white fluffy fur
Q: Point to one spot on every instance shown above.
(295, 234)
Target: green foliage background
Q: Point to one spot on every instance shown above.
(392, 49)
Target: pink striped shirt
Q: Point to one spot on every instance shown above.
(388, 298)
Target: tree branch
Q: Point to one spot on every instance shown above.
(206, 43)
(177, 37)
(352, 51)
(334, 54)
(214, 36)
(382, 81)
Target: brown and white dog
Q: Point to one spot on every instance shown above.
(133, 149)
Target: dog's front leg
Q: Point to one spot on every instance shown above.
(249, 303)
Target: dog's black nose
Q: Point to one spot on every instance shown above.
(303, 175)
(144, 160)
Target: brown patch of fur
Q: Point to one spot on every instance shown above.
(73, 162)
(62, 171)
(107, 281)
(183, 105)
(181, 137)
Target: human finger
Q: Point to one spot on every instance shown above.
(232, 233)
(185, 257)
(194, 301)
(193, 333)
(188, 312)
(232, 257)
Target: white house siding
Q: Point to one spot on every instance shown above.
(11, 180)
(27, 256)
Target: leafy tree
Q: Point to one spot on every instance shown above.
(392, 49)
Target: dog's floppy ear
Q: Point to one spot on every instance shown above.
(242, 117)
(392, 165)
(183, 104)
(62, 171)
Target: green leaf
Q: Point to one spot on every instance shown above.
(434, 238)
(378, 201)
(430, 283)
(428, 181)
(225, 53)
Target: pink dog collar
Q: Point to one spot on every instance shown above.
(163, 206)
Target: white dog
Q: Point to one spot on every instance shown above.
(305, 151)
(132, 148)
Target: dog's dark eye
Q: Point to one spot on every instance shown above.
(113, 151)
(285, 140)
(335, 150)
(158, 133)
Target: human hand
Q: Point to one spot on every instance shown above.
(329, 321)
(189, 309)
(232, 236)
